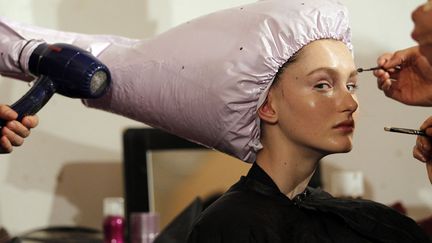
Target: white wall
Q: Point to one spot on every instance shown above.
(73, 159)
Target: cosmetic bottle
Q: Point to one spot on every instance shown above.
(144, 227)
(114, 222)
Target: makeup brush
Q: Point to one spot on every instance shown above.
(406, 131)
(397, 68)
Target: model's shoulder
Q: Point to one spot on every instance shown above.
(243, 212)
(234, 205)
(232, 219)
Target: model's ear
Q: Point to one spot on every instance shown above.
(267, 111)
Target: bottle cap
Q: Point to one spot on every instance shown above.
(113, 206)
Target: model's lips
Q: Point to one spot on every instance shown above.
(347, 125)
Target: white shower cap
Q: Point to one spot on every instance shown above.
(205, 79)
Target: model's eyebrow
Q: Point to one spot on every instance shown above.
(332, 71)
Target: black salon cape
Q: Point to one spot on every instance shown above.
(254, 210)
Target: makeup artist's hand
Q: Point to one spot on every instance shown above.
(412, 85)
(14, 132)
(423, 148)
(422, 33)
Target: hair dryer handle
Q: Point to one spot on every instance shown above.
(34, 99)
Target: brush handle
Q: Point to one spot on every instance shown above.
(406, 131)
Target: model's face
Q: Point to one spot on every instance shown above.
(315, 98)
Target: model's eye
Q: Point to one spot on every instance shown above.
(323, 86)
(352, 87)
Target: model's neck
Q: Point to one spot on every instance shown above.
(291, 167)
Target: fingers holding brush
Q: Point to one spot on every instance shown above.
(423, 147)
(422, 152)
(405, 76)
(388, 65)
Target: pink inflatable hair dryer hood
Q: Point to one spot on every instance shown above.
(202, 80)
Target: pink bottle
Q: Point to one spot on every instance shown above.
(113, 223)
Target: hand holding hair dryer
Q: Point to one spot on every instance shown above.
(64, 69)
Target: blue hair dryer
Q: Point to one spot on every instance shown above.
(64, 69)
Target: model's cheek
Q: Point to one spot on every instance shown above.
(317, 114)
(322, 113)
(312, 103)
(321, 105)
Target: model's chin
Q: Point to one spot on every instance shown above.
(346, 150)
(339, 150)
(341, 146)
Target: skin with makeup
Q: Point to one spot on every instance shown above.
(412, 85)
(14, 133)
(309, 113)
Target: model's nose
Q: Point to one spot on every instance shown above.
(349, 102)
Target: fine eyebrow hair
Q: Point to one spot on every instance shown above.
(332, 71)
